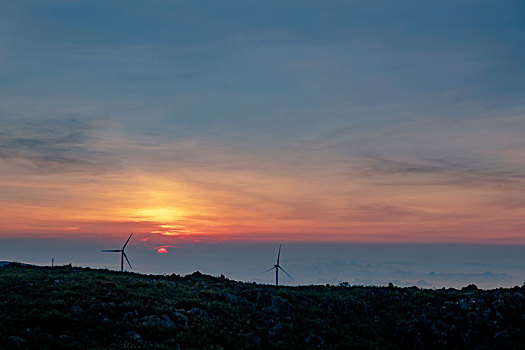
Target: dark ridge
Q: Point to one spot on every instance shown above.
(66, 307)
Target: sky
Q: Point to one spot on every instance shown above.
(218, 122)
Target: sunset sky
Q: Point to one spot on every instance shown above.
(262, 121)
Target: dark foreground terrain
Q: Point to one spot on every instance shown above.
(65, 307)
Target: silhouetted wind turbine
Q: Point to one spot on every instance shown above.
(122, 255)
(277, 267)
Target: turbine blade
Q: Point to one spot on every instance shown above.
(111, 250)
(127, 260)
(270, 269)
(286, 273)
(125, 244)
(279, 255)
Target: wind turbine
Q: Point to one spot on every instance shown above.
(122, 254)
(277, 267)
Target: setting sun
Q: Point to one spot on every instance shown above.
(158, 214)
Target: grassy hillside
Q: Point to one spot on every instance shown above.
(66, 307)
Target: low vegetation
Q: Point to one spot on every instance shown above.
(77, 308)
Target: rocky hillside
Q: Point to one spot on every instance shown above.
(65, 307)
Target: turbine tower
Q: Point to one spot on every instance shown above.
(277, 267)
(122, 254)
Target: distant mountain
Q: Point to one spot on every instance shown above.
(423, 284)
(13, 263)
(80, 308)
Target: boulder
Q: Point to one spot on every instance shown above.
(158, 321)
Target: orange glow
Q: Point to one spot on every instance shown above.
(162, 251)
(232, 204)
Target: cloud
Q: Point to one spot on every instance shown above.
(445, 171)
(61, 144)
(485, 276)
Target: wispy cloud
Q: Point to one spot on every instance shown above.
(465, 277)
(452, 171)
(62, 144)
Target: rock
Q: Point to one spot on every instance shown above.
(182, 317)
(76, 309)
(472, 318)
(253, 295)
(412, 329)
(486, 314)
(463, 304)
(158, 321)
(17, 339)
(498, 303)
(130, 315)
(518, 298)
(315, 341)
(281, 305)
(227, 297)
(256, 340)
(206, 295)
(134, 336)
(251, 338)
(276, 330)
(197, 312)
(501, 336)
(466, 339)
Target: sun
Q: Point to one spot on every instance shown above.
(158, 214)
(162, 250)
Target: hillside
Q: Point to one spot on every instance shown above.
(65, 307)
